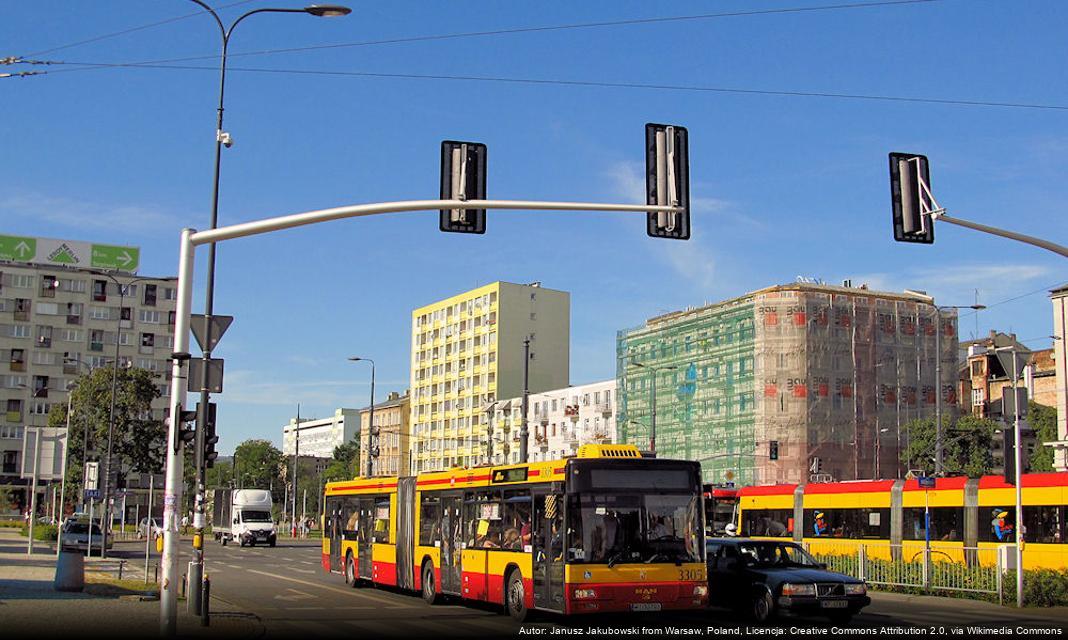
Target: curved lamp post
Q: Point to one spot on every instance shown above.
(371, 418)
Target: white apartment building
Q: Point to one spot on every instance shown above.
(467, 351)
(318, 437)
(559, 422)
(58, 322)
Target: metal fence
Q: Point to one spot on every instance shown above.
(939, 567)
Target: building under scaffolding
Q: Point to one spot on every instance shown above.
(822, 378)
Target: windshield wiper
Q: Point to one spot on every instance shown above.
(616, 557)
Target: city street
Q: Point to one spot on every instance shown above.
(292, 596)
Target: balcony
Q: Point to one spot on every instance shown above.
(605, 408)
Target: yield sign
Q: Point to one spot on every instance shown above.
(199, 324)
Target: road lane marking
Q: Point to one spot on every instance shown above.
(348, 591)
(296, 595)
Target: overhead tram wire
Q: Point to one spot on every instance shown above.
(1015, 298)
(576, 83)
(480, 34)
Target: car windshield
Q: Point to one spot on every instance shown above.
(82, 528)
(652, 528)
(256, 516)
(776, 554)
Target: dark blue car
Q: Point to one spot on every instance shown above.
(762, 578)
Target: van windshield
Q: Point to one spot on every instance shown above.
(256, 516)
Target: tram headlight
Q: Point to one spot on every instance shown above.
(585, 594)
(798, 589)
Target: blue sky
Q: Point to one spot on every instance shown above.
(782, 185)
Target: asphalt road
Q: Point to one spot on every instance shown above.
(293, 597)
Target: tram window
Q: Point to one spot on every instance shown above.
(381, 533)
(429, 520)
(997, 524)
(774, 523)
(516, 520)
(350, 517)
(847, 523)
(1044, 524)
(947, 524)
(483, 520)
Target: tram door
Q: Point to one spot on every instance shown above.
(547, 538)
(451, 538)
(366, 536)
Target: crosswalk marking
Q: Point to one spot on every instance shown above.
(389, 603)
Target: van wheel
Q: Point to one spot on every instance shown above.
(350, 571)
(242, 541)
(223, 540)
(430, 589)
(515, 596)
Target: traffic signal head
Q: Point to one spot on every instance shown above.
(910, 196)
(210, 437)
(667, 180)
(463, 177)
(1008, 448)
(773, 450)
(186, 430)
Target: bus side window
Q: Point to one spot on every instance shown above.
(429, 520)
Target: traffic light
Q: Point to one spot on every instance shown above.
(773, 450)
(186, 431)
(1008, 448)
(210, 438)
(667, 180)
(463, 177)
(911, 200)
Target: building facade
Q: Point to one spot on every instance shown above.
(57, 323)
(792, 383)
(467, 351)
(319, 437)
(390, 451)
(559, 422)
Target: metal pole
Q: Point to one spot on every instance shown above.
(1038, 242)
(106, 525)
(524, 429)
(372, 438)
(63, 479)
(652, 416)
(1019, 489)
(938, 392)
(149, 534)
(296, 460)
(170, 579)
(33, 490)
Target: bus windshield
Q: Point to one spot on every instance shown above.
(650, 528)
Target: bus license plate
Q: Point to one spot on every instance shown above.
(834, 604)
(645, 606)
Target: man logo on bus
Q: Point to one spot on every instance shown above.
(820, 526)
(1002, 529)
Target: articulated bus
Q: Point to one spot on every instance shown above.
(607, 530)
(977, 514)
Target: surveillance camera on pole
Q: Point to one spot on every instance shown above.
(910, 194)
(667, 180)
(463, 177)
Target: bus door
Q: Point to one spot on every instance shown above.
(547, 539)
(366, 536)
(333, 523)
(451, 537)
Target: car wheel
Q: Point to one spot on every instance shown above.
(515, 597)
(252, 542)
(841, 618)
(350, 571)
(223, 540)
(430, 588)
(762, 608)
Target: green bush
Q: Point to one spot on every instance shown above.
(43, 532)
(12, 524)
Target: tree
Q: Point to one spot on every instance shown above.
(346, 464)
(1043, 420)
(258, 464)
(966, 446)
(138, 439)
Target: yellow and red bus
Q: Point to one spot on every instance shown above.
(965, 513)
(607, 530)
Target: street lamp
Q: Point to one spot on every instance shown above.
(1018, 456)
(652, 404)
(371, 432)
(938, 378)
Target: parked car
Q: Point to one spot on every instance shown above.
(143, 528)
(76, 534)
(762, 578)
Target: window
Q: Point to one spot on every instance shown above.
(1001, 526)
(49, 284)
(100, 290)
(150, 295)
(44, 337)
(14, 411)
(847, 523)
(978, 396)
(149, 317)
(483, 520)
(947, 523)
(11, 462)
(96, 340)
(74, 313)
(22, 309)
(516, 521)
(18, 360)
(148, 342)
(40, 386)
(381, 532)
(1045, 524)
(977, 368)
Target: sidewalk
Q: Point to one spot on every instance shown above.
(29, 605)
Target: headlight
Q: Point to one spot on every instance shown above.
(700, 590)
(585, 594)
(798, 589)
(856, 589)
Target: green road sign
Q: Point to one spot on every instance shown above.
(17, 248)
(114, 257)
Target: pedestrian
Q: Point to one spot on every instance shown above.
(185, 524)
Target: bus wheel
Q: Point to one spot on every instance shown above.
(430, 591)
(515, 597)
(350, 571)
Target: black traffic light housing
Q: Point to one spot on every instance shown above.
(186, 431)
(773, 450)
(667, 180)
(1008, 447)
(463, 177)
(910, 200)
(210, 437)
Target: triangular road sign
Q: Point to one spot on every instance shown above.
(219, 324)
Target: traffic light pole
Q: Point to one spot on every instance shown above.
(190, 240)
(1012, 235)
